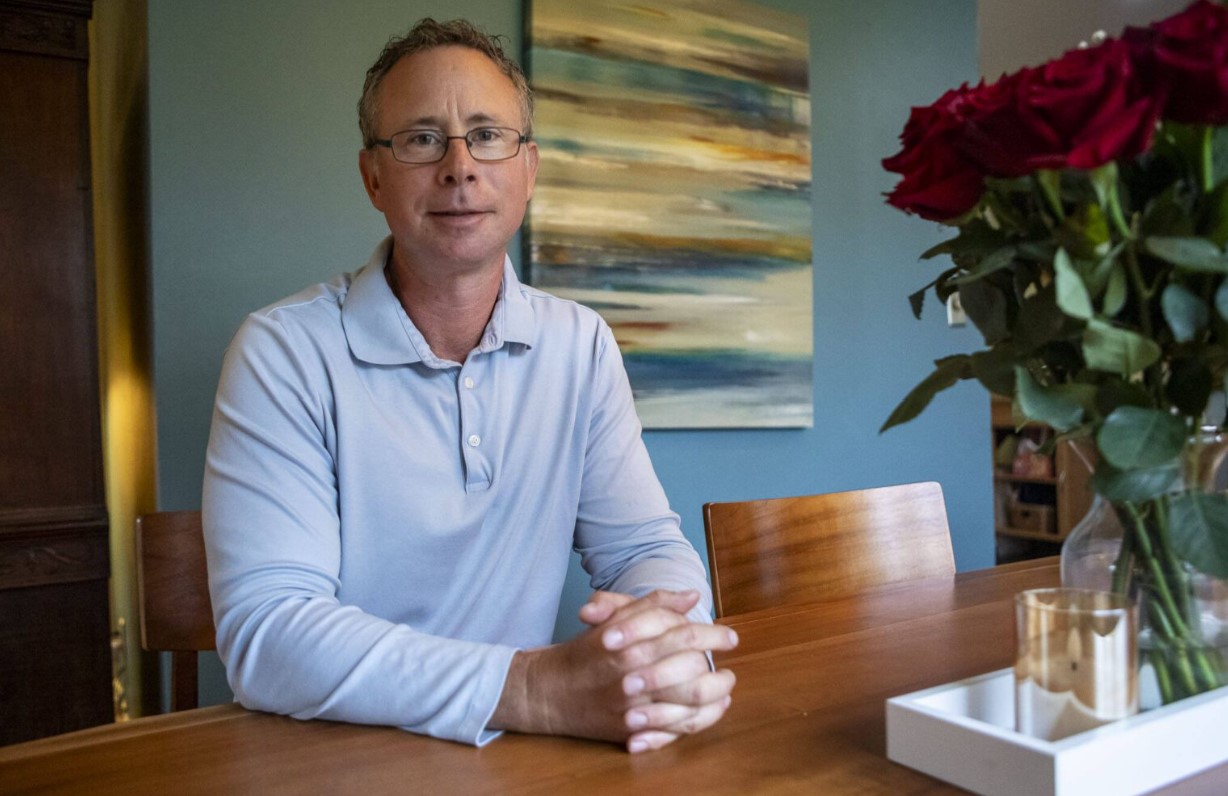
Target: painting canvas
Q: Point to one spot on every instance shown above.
(674, 198)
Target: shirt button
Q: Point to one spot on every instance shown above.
(468, 382)
(474, 440)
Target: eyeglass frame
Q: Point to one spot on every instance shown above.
(521, 140)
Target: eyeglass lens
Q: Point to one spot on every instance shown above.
(428, 146)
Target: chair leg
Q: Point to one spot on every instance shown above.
(183, 680)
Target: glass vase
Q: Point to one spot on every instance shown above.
(1089, 554)
(1124, 547)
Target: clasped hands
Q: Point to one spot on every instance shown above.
(639, 675)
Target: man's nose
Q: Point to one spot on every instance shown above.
(458, 164)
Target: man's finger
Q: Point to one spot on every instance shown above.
(652, 739)
(678, 681)
(658, 715)
(647, 617)
(676, 720)
(702, 719)
(601, 606)
(677, 601)
(682, 637)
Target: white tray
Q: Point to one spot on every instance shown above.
(963, 733)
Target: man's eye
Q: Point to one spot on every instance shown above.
(485, 135)
(422, 139)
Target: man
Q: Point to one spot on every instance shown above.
(401, 460)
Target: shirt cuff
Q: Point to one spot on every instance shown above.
(485, 735)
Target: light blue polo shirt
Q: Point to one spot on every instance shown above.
(385, 528)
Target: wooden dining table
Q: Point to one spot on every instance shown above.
(808, 716)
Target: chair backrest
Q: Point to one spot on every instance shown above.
(173, 596)
(764, 553)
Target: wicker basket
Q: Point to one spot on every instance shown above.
(1037, 517)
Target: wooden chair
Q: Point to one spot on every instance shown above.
(173, 596)
(765, 553)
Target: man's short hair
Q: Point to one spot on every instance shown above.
(428, 34)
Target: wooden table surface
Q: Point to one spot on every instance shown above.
(807, 717)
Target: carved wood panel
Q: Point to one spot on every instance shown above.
(48, 34)
(55, 659)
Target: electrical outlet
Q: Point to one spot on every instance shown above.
(955, 311)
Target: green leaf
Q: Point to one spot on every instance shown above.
(1167, 215)
(985, 306)
(1134, 437)
(1040, 321)
(1213, 221)
(1037, 251)
(1098, 276)
(995, 368)
(1185, 312)
(1198, 524)
(1115, 392)
(999, 259)
(1004, 211)
(917, 301)
(1219, 154)
(946, 373)
(1010, 185)
(1120, 351)
(1133, 485)
(1050, 183)
(1052, 405)
(1104, 180)
(1072, 294)
(1221, 300)
(975, 239)
(1192, 254)
(1115, 293)
(942, 285)
(1063, 356)
(1085, 232)
(1189, 385)
(942, 248)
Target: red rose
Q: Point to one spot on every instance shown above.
(1079, 111)
(1187, 58)
(939, 182)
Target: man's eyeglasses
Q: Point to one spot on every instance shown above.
(429, 146)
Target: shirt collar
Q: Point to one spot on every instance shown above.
(380, 332)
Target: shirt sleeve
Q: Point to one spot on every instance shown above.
(628, 539)
(272, 534)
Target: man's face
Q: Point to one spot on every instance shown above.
(457, 214)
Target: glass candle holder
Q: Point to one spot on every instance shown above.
(1076, 666)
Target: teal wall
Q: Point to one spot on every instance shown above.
(255, 193)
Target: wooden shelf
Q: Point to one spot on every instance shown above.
(1026, 533)
(1023, 479)
(1067, 491)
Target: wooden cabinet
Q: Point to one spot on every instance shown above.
(1039, 498)
(55, 658)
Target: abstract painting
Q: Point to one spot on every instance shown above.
(674, 198)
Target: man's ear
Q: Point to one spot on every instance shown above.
(369, 168)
